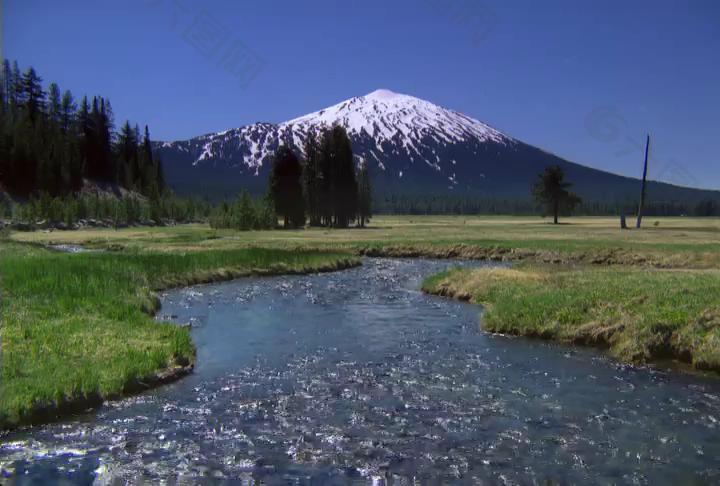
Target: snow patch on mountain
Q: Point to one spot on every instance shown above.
(394, 118)
(380, 124)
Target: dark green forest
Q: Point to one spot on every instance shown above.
(51, 143)
(63, 161)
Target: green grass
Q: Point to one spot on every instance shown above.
(76, 326)
(80, 325)
(639, 314)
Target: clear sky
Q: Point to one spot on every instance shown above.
(583, 79)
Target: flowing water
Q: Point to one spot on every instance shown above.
(358, 377)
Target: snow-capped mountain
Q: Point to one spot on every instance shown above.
(405, 123)
(412, 147)
(384, 120)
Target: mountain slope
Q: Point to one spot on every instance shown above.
(412, 146)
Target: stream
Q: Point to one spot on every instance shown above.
(358, 377)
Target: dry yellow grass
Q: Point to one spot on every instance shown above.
(673, 242)
(671, 230)
(466, 285)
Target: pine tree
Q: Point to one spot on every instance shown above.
(127, 153)
(551, 190)
(54, 104)
(67, 111)
(84, 129)
(326, 178)
(312, 178)
(92, 146)
(345, 191)
(364, 204)
(17, 85)
(8, 83)
(137, 168)
(244, 213)
(107, 170)
(149, 171)
(33, 97)
(285, 187)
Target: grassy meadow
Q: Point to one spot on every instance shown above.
(668, 242)
(78, 327)
(639, 314)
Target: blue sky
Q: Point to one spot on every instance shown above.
(583, 79)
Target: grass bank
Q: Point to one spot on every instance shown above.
(77, 328)
(639, 315)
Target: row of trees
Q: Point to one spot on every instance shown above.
(471, 204)
(50, 144)
(324, 188)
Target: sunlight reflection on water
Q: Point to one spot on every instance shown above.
(357, 376)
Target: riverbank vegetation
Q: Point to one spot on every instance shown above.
(77, 328)
(78, 325)
(640, 315)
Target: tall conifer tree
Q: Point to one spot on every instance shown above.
(285, 187)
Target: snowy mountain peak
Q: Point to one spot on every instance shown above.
(388, 116)
(382, 94)
(381, 124)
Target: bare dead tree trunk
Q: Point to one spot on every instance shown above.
(642, 190)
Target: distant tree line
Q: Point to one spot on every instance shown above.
(418, 204)
(49, 144)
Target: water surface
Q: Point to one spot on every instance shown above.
(356, 376)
